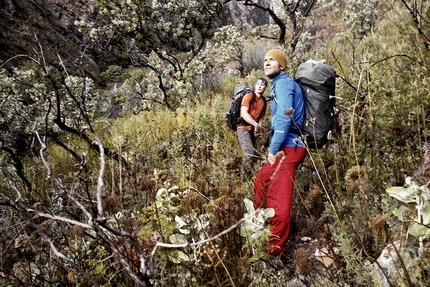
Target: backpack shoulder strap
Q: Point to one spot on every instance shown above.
(264, 107)
(253, 95)
(273, 98)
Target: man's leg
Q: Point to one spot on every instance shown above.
(261, 182)
(279, 197)
(248, 148)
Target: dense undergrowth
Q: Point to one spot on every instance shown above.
(176, 182)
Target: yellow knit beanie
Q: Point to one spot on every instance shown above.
(279, 56)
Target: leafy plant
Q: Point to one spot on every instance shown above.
(253, 228)
(420, 196)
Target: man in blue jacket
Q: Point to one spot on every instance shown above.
(274, 183)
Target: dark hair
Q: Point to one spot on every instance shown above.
(263, 80)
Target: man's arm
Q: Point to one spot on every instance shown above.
(247, 117)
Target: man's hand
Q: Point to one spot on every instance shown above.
(257, 130)
(271, 158)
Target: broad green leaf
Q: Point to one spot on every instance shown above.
(268, 212)
(246, 228)
(202, 236)
(180, 222)
(419, 230)
(161, 194)
(177, 239)
(182, 256)
(400, 211)
(184, 230)
(402, 194)
(425, 213)
(249, 205)
(179, 256)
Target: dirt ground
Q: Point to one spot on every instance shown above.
(308, 256)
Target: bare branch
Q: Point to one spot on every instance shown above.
(19, 56)
(17, 163)
(215, 237)
(99, 192)
(275, 18)
(414, 13)
(291, 8)
(58, 182)
(64, 257)
(123, 259)
(94, 224)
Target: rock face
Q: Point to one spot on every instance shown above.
(31, 27)
(239, 15)
(34, 27)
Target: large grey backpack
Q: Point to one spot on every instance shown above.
(318, 82)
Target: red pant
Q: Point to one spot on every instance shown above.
(273, 187)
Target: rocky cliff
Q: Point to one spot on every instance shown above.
(46, 28)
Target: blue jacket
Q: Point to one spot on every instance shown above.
(288, 94)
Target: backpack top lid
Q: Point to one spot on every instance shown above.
(241, 89)
(317, 71)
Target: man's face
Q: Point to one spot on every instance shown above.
(260, 87)
(271, 67)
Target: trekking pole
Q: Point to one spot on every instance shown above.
(290, 112)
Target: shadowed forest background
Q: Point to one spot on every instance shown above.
(118, 169)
